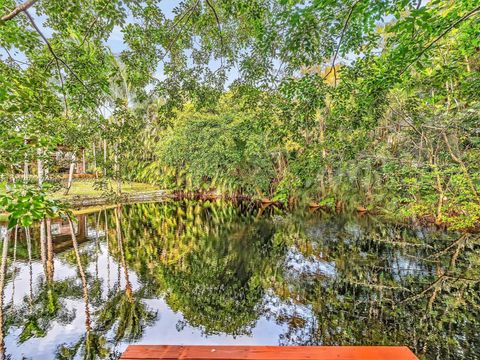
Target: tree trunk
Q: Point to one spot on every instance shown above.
(467, 62)
(14, 260)
(438, 219)
(117, 171)
(108, 250)
(94, 153)
(30, 267)
(25, 171)
(50, 264)
(43, 243)
(97, 245)
(40, 167)
(105, 158)
(70, 175)
(82, 275)
(25, 163)
(321, 138)
(84, 162)
(128, 284)
(3, 270)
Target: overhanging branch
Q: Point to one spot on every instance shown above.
(217, 19)
(434, 41)
(50, 48)
(20, 8)
(337, 50)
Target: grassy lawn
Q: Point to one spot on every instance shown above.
(86, 188)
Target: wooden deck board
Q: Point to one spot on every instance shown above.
(165, 352)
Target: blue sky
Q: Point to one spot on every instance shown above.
(115, 42)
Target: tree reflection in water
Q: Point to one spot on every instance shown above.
(228, 273)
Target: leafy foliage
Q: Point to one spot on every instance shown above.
(352, 103)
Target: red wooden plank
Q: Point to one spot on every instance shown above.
(166, 352)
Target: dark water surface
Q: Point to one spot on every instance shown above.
(217, 273)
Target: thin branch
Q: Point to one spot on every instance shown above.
(57, 58)
(445, 32)
(187, 14)
(277, 73)
(20, 8)
(180, 19)
(175, 38)
(433, 285)
(90, 28)
(219, 28)
(337, 50)
(19, 62)
(453, 244)
(168, 49)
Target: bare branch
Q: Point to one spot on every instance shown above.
(23, 7)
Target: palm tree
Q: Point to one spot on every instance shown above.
(125, 311)
(47, 305)
(120, 95)
(92, 344)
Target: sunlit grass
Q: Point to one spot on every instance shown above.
(86, 188)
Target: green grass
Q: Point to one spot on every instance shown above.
(85, 188)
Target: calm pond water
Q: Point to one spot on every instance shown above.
(217, 273)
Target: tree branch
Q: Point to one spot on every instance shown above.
(57, 58)
(23, 7)
(92, 25)
(174, 39)
(188, 14)
(337, 50)
(434, 41)
(222, 47)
